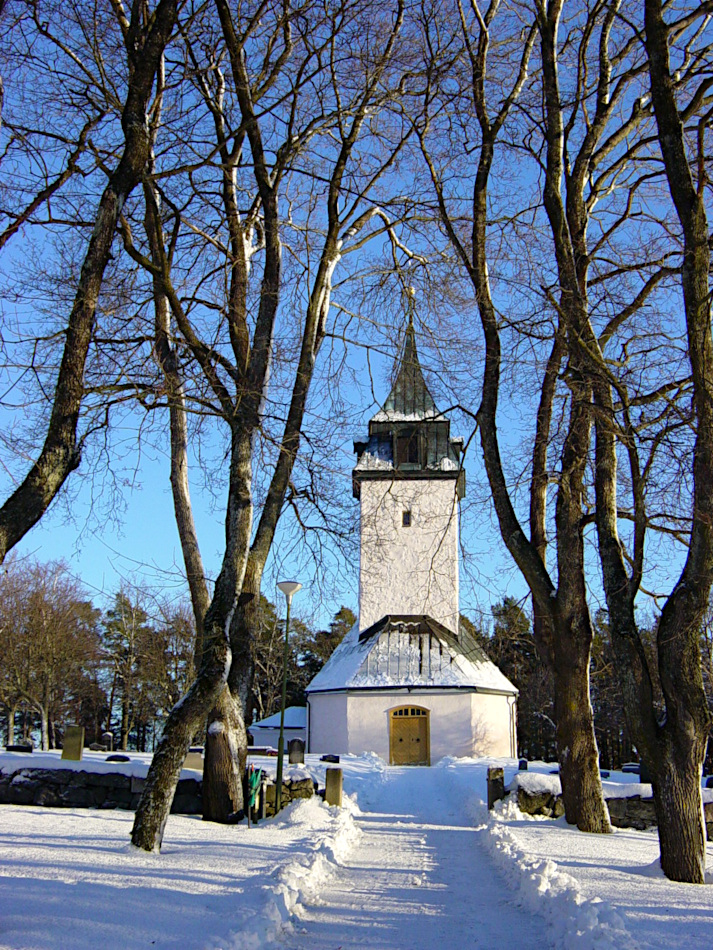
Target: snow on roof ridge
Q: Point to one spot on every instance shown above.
(345, 668)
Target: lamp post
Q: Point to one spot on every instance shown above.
(288, 588)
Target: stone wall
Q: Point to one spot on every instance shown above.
(633, 812)
(65, 788)
(292, 790)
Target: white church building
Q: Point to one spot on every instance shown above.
(408, 682)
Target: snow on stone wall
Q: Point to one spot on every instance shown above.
(414, 569)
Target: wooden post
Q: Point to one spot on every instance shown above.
(333, 790)
(496, 786)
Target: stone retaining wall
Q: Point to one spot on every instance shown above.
(633, 812)
(291, 791)
(65, 788)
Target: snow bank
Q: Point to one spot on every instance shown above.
(575, 922)
(300, 879)
(535, 783)
(543, 888)
(136, 767)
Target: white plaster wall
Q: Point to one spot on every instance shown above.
(493, 725)
(410, 570)
(272, 736)
(327, 719)
(450, 722)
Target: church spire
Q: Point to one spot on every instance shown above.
(409, 398)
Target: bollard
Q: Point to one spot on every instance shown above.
(333, 790)
(496, 786)
(270, 796)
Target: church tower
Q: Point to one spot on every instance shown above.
(409, 481)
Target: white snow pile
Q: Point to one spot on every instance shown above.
(136, 767)
(575, 922)
(300, 879)
(535, 783)
(543, 888)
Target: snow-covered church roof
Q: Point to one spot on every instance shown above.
(409, 650)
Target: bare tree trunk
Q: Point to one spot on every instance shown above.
(124, 740)
(112, 696)
(673, 748)
(11, 714)
(60, 454)
(225, 758)
(44, 729)
(562, 624)
(191, 711)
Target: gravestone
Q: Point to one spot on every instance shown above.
(73, 743)
(108, 741)
(522, 765)
(333, 790)
(329, 758)
(496, 786)
(296, 749)
(194, 760)
(19, 748)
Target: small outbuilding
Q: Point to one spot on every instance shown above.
(266, 732)
(408, 682)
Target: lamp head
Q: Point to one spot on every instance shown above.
(289, 588)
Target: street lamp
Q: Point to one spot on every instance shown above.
(288, 588)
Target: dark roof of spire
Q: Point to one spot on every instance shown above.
(409, 398)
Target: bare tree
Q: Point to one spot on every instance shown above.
(562, 625)
(48, 634)
(289, 121)
(672, 741)
(145, 34)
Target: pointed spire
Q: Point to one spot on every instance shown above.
(409, 397)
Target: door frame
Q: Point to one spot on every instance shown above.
(396, 712)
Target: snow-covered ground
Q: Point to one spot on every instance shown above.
(412, 862)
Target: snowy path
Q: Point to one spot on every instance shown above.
(417, 880)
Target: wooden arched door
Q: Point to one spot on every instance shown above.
(409, 736)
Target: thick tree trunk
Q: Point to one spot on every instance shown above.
(576, 743)
(155, 804)
(11, 713)
(225, 758)
(562, 628)
(679, 811)
(672, 747)
(227, 741)
(191, 711)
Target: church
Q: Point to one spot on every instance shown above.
(408, 682)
